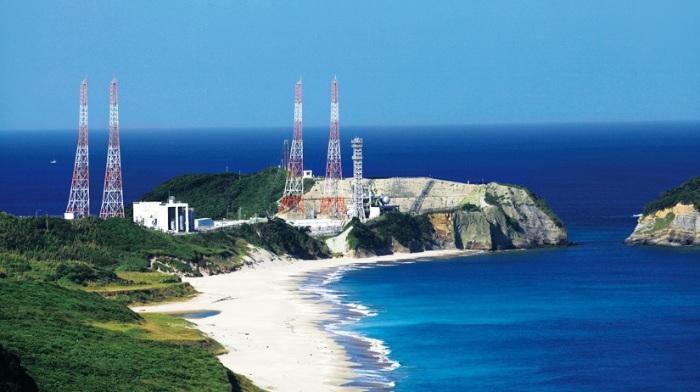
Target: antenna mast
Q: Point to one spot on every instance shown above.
(293, 197)
(113, 196)
(332, 204)
(79, 198)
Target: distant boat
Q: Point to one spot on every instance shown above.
(637, 216)
(52, 161)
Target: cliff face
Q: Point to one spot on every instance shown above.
(507, 217)
(674, 226)
(465, 216)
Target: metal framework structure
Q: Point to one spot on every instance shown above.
(293, 196)
(358, 189)
(79, 198)
(113, 196)
(332, 204)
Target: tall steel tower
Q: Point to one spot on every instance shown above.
(358, 190)
(332, 204)
(293, 197)
(112, 196)
(79, 198)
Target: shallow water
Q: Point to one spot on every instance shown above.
(197, 314)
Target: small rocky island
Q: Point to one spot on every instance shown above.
(671, 220)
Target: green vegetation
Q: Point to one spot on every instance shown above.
(492, 199)
(363, 238)
(103, 255)
(664, 222)
(164, 328)
(413, 232)
(141, 287)
(222, 195)
(71, 340)
(280, 238)
(687, 193)
(469, 207)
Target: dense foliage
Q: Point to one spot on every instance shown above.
(362, 238)
(413, 232)
(91, 250)
(222, 195)
(54, 331)
(687, 193)
(280, 238)
(85, 249)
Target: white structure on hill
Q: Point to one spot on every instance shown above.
(169, 217)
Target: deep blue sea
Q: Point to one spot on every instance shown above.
(597, 316)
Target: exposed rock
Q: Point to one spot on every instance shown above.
(508, 218)
(472, 216)
(675, 226)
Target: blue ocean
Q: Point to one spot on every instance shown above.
(596, 316)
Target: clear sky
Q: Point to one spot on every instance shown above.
(234, 63)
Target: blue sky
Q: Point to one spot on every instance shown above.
(234, 63)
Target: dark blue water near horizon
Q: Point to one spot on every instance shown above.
(593, 317)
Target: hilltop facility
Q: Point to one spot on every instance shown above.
(169, 217)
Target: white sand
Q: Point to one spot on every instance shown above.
(269, 329)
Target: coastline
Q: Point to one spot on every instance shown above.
(266, 317)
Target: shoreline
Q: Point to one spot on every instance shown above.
(272, 328)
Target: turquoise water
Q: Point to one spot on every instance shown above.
(597, 316)
(197, 314)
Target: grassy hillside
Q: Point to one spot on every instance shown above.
(413, 232)
(113, 256)
(687, 193)
(221, 195)
(70, 340)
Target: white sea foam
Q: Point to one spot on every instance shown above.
(352, 312)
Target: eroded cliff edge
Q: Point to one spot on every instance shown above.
(449, 215)
(673, 219)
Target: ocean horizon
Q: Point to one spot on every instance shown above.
(599, 315)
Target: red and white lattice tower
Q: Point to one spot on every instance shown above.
(332, 204)
(79, 198)
(293, 197)
(113, 196)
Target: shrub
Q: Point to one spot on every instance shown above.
(687, 193)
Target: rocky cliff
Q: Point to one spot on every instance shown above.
(673, 219)
(678, 225)
(506, 217)
(463, 216)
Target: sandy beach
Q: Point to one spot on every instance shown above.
(270, 329)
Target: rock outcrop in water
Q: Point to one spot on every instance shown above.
(675, 226)
(671, 220)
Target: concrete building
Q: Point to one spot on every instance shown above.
(169, 217)
(308, 174)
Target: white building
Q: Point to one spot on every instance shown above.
(170, 217)
(308, 174)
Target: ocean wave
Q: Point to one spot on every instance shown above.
(370, 355)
